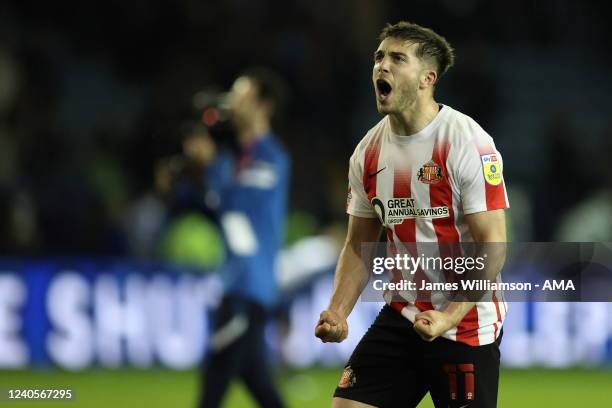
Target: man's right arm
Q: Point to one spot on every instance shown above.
(350, 279)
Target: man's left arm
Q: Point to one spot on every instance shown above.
(485, 227)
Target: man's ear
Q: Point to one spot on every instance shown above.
(428, 79)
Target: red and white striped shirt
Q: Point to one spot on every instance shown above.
(447, 170)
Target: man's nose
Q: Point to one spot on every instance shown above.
(383, 65)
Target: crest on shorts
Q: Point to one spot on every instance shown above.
(348, 378)
(491, 167)
(430, 173)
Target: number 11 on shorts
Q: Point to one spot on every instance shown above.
(467, 372)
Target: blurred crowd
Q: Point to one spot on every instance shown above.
(94, 94)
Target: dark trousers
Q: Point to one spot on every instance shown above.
(237, 350)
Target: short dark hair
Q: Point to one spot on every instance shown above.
(430, 44)
(271, 87)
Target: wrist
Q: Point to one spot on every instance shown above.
(338, 310)
(452, 317)
(456, 311)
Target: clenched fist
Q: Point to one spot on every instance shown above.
(432, 324)
(331, 327)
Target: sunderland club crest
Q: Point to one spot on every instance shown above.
(430, 173)
(348, 378)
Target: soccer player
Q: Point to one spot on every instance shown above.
(249, 193)
(449, 169)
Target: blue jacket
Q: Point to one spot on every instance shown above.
(249, 194)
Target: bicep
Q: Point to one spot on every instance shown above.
(487, 226)
(362, 230)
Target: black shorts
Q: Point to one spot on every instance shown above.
(393, 367)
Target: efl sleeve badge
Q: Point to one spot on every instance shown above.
(491, 168)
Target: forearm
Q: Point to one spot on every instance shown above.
(495, 254)
(349, 281)
(457, 310)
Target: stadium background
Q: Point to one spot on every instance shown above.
(93, 95)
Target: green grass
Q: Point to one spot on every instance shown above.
(309, 388)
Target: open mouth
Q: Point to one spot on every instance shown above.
(384, 88)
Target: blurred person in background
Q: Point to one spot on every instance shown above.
(189, 232)
(446, 168)
(247, 191)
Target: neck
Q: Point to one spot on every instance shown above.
(414, 119)
(250, 132)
